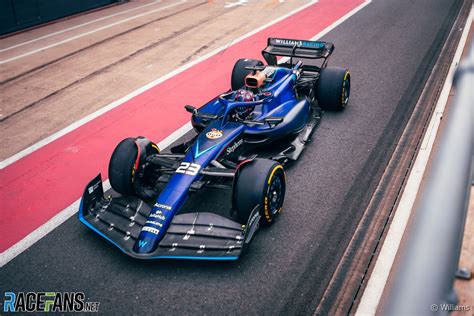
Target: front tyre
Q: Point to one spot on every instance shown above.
(128, 168)
(262, 183)
(333, 88)
(121, 167)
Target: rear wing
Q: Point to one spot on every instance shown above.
(296, 48)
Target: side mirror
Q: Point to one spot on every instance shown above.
(190, 109)
(194, 111)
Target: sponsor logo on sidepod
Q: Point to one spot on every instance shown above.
(214, 134)
(233, 147)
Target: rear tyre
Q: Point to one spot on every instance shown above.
(121, 167)
(260, 182)
(239, 72)
(333, 88)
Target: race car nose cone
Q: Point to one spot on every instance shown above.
(144, 244)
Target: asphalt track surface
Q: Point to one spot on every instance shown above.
(390, 47)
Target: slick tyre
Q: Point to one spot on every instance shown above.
(239, 72)
(121, 167)
(260, 182)
(333, 88)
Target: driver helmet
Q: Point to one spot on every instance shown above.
(244, 95)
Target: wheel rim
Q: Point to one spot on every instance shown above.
(346, 88)
(274, 195)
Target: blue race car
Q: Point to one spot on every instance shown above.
(244, 139)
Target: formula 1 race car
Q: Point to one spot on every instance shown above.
(244, 139)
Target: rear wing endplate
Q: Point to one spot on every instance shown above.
(296, 48)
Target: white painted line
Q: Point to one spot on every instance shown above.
(79, 26)
(90, 117)
(341, 20)
(42, 231)
(332, 26)
(234, 4)
(62, 216)
(372, 294)
(165, 143)
(65, 214)
(90, 32)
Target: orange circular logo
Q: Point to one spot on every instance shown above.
(214, 134)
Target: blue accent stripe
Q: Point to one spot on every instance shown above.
(83, 220)
(198, 154)
(197, 258)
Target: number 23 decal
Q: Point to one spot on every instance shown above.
(188, 168)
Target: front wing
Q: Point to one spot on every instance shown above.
(203, 235)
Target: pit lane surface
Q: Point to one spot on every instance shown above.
(389, 47)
